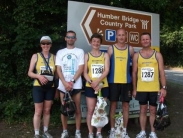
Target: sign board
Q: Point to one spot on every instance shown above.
(86, 19)
(107, 21)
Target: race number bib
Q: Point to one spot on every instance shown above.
(97, 70)
(147, 74)
(43, 69)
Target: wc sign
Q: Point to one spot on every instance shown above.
(110, 35)
(134, 37)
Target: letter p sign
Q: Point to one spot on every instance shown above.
(110, 35)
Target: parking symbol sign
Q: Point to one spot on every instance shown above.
(110, 35)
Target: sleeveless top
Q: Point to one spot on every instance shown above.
(41, 66)
(148, 74)
(96, 68)
(120, 66)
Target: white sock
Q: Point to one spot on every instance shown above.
(77, 131)
(153, 133)
(36, 131)
(112, 129)
(142, 131)
(64, 130)
(45, 128)
(98, 132)
(124, 129)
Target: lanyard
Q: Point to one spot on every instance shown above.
(46, 64)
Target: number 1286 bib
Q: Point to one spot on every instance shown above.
(97, 70)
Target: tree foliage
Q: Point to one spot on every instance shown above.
(23, 22)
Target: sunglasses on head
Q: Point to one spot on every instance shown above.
(45, 43)
(72, 37)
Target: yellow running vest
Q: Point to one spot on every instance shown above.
(148, 74)
(41, 66)
(120, 66)
(96, 68)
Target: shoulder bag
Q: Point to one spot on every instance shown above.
(47, 74)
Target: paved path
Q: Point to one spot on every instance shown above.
(175, 76)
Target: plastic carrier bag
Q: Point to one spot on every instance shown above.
(162, 119)
(99, 117)
(69, 107)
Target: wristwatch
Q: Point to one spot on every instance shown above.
(73, 80)
(164, 87)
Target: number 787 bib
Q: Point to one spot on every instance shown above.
(147, 74)
(97, 70)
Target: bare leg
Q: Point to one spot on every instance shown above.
(63, 118)
(152, 117)
(77, 99)
(46, 112)
(125, 107)
(91, 102)
(37, 115)
(143, 116)
(112, 112)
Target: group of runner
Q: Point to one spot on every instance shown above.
(111, 68)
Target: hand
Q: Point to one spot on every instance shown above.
(42, 79)
(68, 86)
(71, 85)
(97, 89)
(162, 92)
(134, 93)
(94, 84)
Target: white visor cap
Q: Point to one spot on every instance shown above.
(45, 38)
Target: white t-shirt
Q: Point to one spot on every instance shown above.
(69, 61)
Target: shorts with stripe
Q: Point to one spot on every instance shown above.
(120, 92)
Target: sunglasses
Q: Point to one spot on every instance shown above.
(70, 37)
(45, 43)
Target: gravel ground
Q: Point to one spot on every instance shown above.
(175, 130)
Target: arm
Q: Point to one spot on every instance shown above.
(81, 66)
(162, 73)
(131, 51)
(110, 51)
(31, 73)
(55, 73)
(66, 84)
(134, 74)
(58, 63)
(85, 73)
(79, 72)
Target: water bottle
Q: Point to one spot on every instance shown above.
(158, 97)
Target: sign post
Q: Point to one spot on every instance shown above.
(86, 19)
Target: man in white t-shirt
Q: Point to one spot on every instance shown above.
(70, 64)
